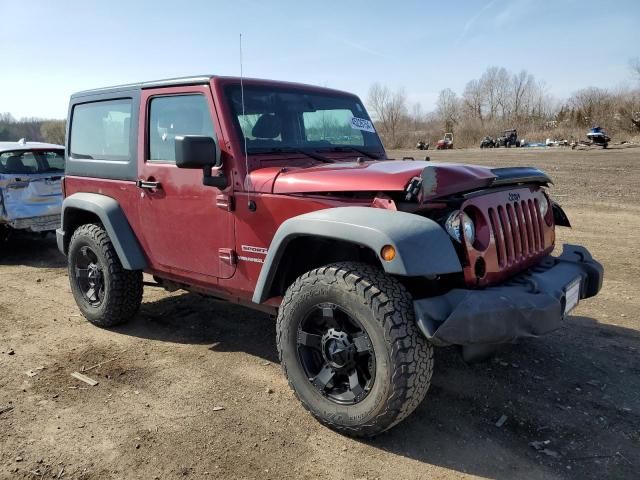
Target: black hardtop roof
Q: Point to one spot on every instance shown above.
(168, 82)
(191, 80)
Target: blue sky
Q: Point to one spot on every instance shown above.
(50, 49)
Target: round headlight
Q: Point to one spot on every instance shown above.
(468, 228)
(459, 225)
(544, 206)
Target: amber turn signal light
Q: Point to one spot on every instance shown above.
(388, 253)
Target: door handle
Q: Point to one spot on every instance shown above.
(148, 185)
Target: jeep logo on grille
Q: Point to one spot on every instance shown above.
(514, 197)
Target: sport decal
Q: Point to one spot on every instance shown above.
(251, 249)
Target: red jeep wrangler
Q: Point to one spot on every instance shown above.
(280, 196)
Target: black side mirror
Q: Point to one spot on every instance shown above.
(199, 151)
(195, 151)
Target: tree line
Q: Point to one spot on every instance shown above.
(500, 100)
(31, 129)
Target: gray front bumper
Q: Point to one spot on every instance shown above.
(529, 305)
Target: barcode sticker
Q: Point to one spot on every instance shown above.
(362, 124)
(572, 296)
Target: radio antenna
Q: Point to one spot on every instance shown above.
(247, 180)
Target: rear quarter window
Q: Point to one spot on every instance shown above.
(101, 130)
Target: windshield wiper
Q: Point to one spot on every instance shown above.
(311, 154)
(355, 149)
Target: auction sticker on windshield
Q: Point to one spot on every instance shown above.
(362, 124)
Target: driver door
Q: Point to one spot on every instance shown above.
(187, 230)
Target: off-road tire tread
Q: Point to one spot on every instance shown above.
(411, 353)
(126, 286)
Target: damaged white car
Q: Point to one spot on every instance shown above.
(30, 186)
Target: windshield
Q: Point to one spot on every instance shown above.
(32, 161)
(280, 119)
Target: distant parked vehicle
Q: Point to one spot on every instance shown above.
(508, 139)
(598, 136)
(552, 142)
(487, 142)
(30, 186)
(446, 143)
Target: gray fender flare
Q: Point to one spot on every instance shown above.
(423, 247)
(115, 222)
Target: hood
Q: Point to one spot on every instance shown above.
(388, 175)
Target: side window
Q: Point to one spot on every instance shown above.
(101, 130)
(54, 160)
(173, 116)
(18, 162)
(32, 162)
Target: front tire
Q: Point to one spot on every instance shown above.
(106, 293)
(351, 350)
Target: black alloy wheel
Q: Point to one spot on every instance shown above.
(336, 354)
(89, 276)
(350, 348)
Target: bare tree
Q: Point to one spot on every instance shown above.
(625, 104)
(489, 82)
(390, 110)
(416, 112)
(6, 117)
(53, 131)
(473, 99)
(448, 108)
(502, 87)
(592, 105)
(521, 85)
(417, 116)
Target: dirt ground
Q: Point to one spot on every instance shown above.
(572, 399)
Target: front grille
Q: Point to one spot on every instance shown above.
(518, 231)
(511, 235)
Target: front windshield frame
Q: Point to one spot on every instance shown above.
(295, 136)
(40, 156)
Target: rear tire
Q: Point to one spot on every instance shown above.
(371, 315)
(106, 293)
